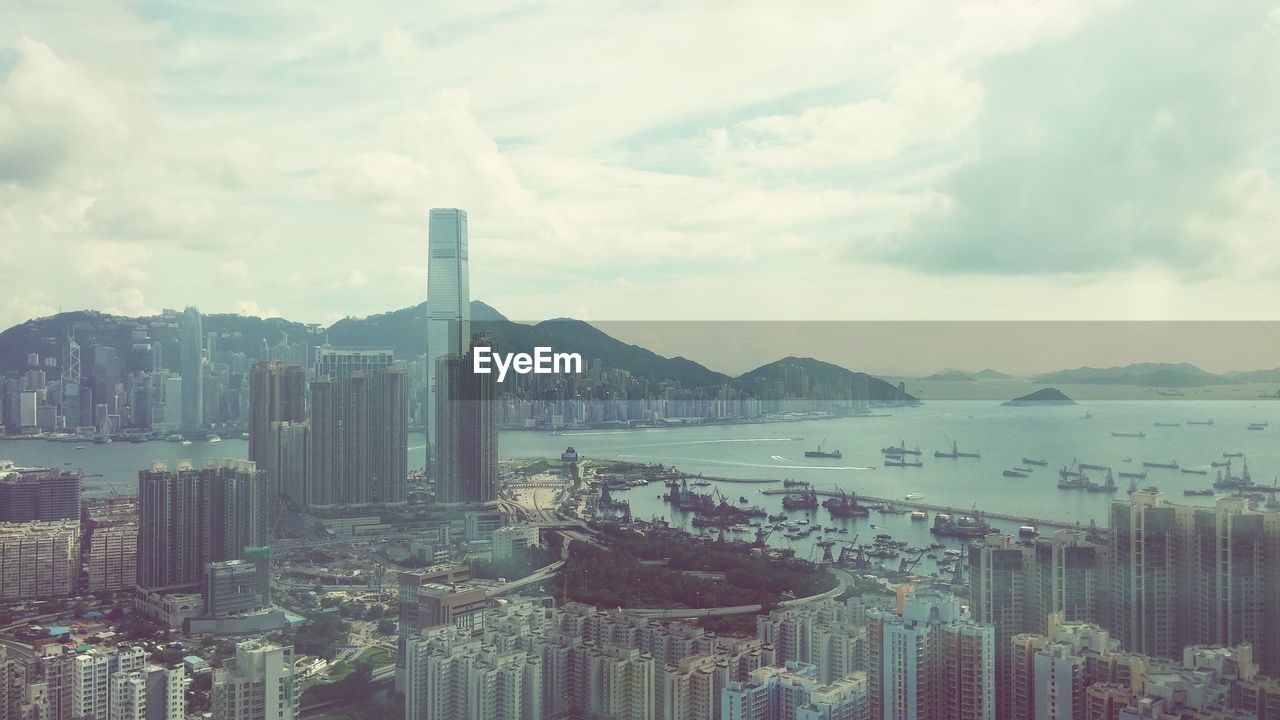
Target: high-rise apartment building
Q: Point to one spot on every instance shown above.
(91, 691)
(39, 559)
(276, 394)
(289, 461)
(1145, 594)
(359, 428)
(189, 517)
(110, 544)
(466, 454)
(1067, 578)
(793, 692)
(930, 663)
(448, 302)
(472, 680)
(998, 590)
(191, 367)
(258, 684)
(28, 494)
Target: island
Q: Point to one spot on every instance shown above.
(1044, 396)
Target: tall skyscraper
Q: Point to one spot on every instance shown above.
(190, 517)
(191, 367)
(289, 460)
(931, 662)
(28, 494)
(998, 579)
(466, 432)
(1067, 578)
(276, 393)
(258, 684)
(448, 302)
(1145, 594)
(359, 428)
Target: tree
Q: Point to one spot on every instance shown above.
(386, 627)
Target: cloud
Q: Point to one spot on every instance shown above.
(235, 272)
(1116, 150)
(251, 308)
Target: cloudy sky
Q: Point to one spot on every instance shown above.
(1044, 159)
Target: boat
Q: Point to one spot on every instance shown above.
(1023, 469)
(215, 439)
(1202, 492)
(901, 461)
(185, 442)
(795, 483)
(820, 453)
(845, 505)
(914, 496)
(1195, 471)
(1108, 485)
(1030, 461)
(778, 518)
(919, 516)
(79, 447)
(955, 453)
(899, 449)
(1257, 426)
(889, 509)
(967, 525)
(1200, 422)
(1135, 475)
(1014, 473)
(1168, 424)
(1088, 466)
(1070, 472)
(1220, 463)
(1028, 531)
(742, 499)
(1171, 465)
(1232, 454)
(800, 500)
(1138, 434)
(1229, 481)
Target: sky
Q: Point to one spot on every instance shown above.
(848, 160)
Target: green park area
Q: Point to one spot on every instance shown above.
(634, 570)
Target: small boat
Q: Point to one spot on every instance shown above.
(1013, 473)
(1135, 475)
(185, 442)
(1232, 454)
(1138, 434)
(1195, 471)
(1257, 426)
(914, 496)
(901, 461)
(1168, 424)
(1087, 466)
(1028, 531)
(1087, 415)
(215, 439)
(1220, 463)
(1030, 461)
(1203, 492)
(1171, 465)
(820, 453)
(1200, 422)
(79, 447)
(919, 516)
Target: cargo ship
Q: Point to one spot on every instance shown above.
(1108, 485)
(1032, 461)
(1164, 424)
(820, 453)
(795, 483)
(1014, 473)
(955, 453)
(806, 500)
(1134, 475)
(1205, 492)
(1200, 422)
(900, 461)
(846, 505)
(967, 525)
(1171, 465)
(1138, 434)
(1194, 471)
(1088, 466)
(899, 449)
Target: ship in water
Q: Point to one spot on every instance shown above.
(1229, 481)
(804, 500)
(964, 525)
(1258, 426)
(1204, 492)
(902, 461)
(1200, 422)
(1134, 475)
(1090, 466)
(1138, 434)
(1033, 461)
(845, 505)
(1171, 465)
(899, 449)
(713, 510)
(820, 453)
(1232, 454)
(795, 483)
(1168, 424)
(955, 452)
(1195, 471)
(1015, 473)
(1108, 484)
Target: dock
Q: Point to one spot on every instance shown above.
(917, 505)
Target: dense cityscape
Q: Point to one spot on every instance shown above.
(319, 576)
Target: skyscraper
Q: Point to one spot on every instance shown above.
(466, 431)
(998, 579)
(1067, 577)
(257, 685)
(191, 366)
(190, 517)
(448, 302)
(930, 662)
(1145, 594)
(359, 428)
(275, 394)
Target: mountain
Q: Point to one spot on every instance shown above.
(821, 379)
(990, 374)
(951, 375)
(1043, 396)
(1254, 376)
(1140, 374)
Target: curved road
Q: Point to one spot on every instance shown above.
(842, 577)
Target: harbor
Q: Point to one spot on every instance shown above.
(934, 507)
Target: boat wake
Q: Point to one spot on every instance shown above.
(779, 458)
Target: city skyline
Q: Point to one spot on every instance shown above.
(865, 159)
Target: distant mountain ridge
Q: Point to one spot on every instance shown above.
(825, 379)
(1140, 374)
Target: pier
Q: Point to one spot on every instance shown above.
(917, 505)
